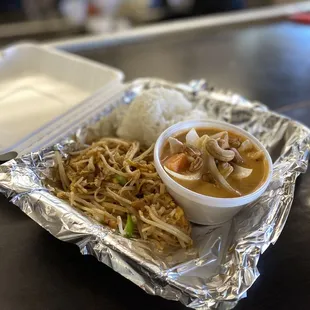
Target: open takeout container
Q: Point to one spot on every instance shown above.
(43, 92)
(222, 266)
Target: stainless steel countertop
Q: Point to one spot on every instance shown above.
(40, 30)
(257, 53)
(236, 18)
(265, 62)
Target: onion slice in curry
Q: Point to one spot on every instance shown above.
(192, 137)
(240, 172)
(185, 177)
(176, 146)
(211, 166)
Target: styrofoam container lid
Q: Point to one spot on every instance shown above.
(39, 86)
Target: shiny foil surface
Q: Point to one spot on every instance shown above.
(222, 265)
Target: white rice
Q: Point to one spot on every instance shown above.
(152, 112)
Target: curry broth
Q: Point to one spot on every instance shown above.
(244, 186)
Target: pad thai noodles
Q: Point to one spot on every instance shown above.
(114, 181)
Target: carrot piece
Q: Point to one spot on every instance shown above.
(177, 162)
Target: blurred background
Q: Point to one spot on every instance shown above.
(56, 19)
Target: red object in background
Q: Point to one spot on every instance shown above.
(93, 10)
(303, 18)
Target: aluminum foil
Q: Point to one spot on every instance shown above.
(222, 266)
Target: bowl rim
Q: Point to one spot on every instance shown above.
(200, 198)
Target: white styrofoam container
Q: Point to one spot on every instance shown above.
(42, 92)
(203, 209)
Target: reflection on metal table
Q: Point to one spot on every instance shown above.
(268, 62)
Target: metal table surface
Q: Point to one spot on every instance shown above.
(269, 63)
(41, 30)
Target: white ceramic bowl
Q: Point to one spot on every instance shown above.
(202, 209)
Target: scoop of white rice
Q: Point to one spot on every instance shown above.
(150, 113)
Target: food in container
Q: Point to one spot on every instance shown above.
(212, 169)
(226, 265)
(215, 163)
(114, 181)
